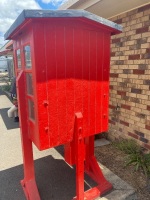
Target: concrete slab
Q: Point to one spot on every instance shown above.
(101, 142)
(5, 102)
(55, 179)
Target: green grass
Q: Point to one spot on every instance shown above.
(127, 146)
(135, 155)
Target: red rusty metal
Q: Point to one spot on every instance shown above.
(63, 97)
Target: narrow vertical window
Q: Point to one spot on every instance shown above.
(29, 82)
(31, 109)
(18, 58)
(27, 51)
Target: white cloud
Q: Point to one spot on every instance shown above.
(54, 2)
(10, 9)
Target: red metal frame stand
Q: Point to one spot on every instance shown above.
(28, 183)
(84, 157)
(92, 168)
(79, 156)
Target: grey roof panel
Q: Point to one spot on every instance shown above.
(59, 14)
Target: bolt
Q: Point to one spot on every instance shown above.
(46, 129)
(45, 103)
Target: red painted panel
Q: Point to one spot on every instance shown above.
(78, 70)
(50, 46)
(86, 84)
(41, 89)
(92, 80)
(61, 84)
(105, 96)
(99, 81)
(69, 53)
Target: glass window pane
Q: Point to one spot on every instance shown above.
(27, 52)
(18, 58)
(31, 109)
(29, 83)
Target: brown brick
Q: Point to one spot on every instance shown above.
(141, 40)
(148, 108)
(111, 122)
(113, 54)
(128, 80)
(143, 140)
(120, 53)
(135, 46)
(118, 21)
(126, 107)
(147, 23)
(134, 57)
(139, 133)
(147, 146)
(145, 46)
(136, 91)
(111, 87)
(140, 115)
(143, 66)
(119, 62)
(147, 82)
(124, 123)
(144, 8)
(147, 127)
(133, 135)
(122, 84)
(135, 100)
(122, 93)
(138, 71)
(148, 50)
(145, 56)
(146, 34)
(126, 71)
(125, 98)
(112, 107)
(148, 122)
(115, 119)
(119, 44)
(116, 40)
(113, 75)
(142, 30)
(125, 39)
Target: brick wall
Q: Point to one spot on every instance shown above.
(130, 78)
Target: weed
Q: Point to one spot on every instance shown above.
(140, 161)
(127, 146)
(136, 155)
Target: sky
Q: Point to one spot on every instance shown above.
(10, 9)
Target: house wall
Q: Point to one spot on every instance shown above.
(130, 78)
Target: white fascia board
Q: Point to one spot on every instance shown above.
(87, 4)
(68, 4)
(81, 4)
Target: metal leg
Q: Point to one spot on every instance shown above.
(92, 193)
(92, 168)
(79, 157)
(28, 183)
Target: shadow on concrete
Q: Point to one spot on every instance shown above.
(55, 180)
(1, 92)
(9, 122)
